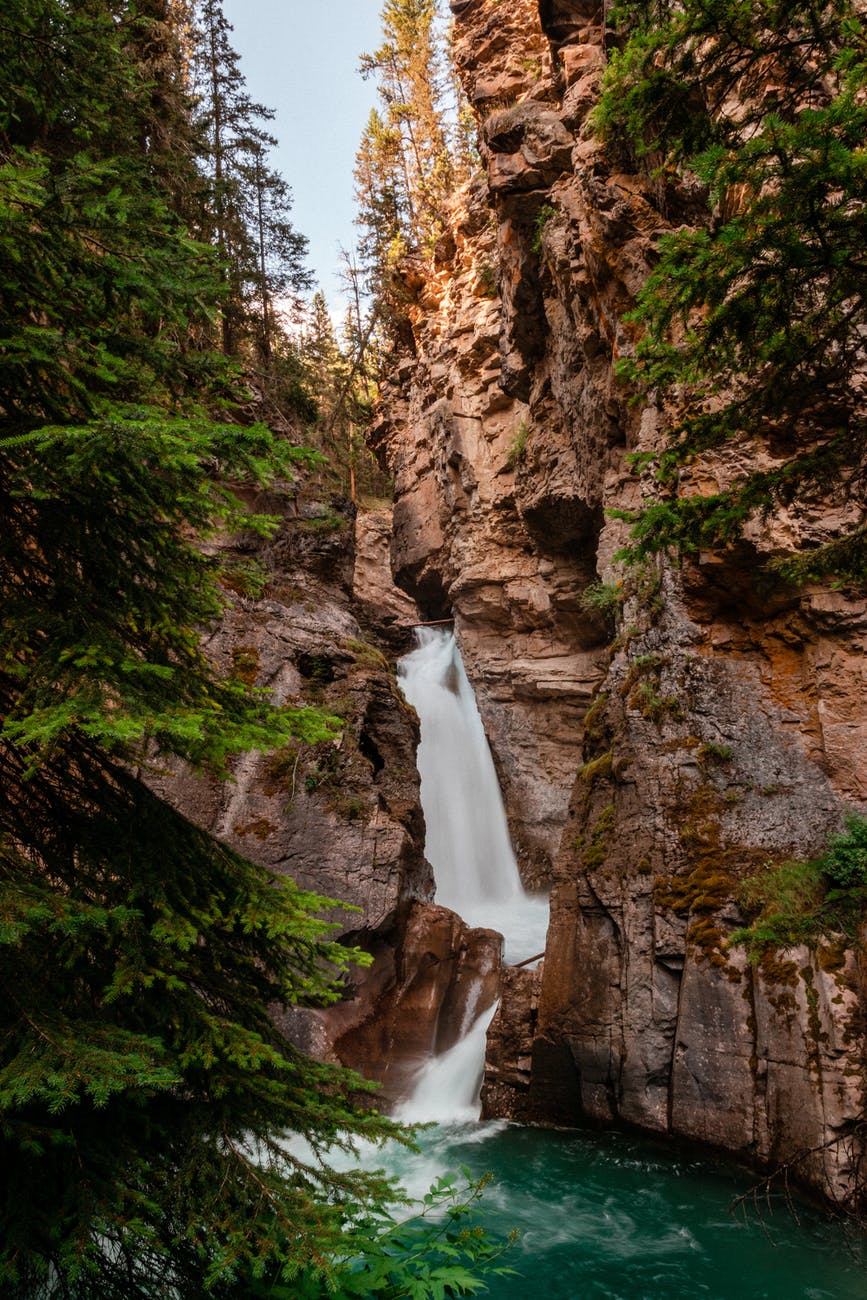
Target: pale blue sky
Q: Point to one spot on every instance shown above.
(300, 57)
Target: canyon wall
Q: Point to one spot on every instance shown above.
(660, 736)
(322, 625)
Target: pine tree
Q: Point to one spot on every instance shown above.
(385, 213)
(339, 377)
(409, 64)
(261, 252)
(156, 42)
(144, 1090)
(408, 161)
(754, 322)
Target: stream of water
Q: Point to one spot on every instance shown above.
(609, 1216)
(468, 842)
(602, 1216)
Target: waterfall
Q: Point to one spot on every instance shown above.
(447, 1090)
(467, 842)
(469, 848)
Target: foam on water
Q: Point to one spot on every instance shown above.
(448, 1088)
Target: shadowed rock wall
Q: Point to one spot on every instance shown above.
(645, 774)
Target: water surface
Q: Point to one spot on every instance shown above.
(608, 1215)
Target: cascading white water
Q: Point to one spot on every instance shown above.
(447, 1090)
(469, 849)
(467, 842)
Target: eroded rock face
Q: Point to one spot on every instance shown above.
(696, 776)
(420, 998)
(726, 725)
(341, 817)
(509, 1058)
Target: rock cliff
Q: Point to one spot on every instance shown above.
(342, 817)
(645, 773)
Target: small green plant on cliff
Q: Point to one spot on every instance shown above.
(602, 598)
(712, 751)
(365, 654)
(654, 706)
(593, 855)
(546, 213)
(518, 446)
(799, 902)
(487, 280)
(596, 769)
(328, 522)
(533, 67)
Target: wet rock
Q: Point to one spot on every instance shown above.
(341, 817)
(423, 994)
(509, 1059)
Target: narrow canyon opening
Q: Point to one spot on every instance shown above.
(468, 846)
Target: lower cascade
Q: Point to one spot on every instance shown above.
(447, 1090)
(469, 848)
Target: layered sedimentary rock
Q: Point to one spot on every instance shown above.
(342, 817)
(420, 997)
(645, 775)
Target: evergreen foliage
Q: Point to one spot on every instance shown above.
(248, 203)
(408, 67)
(754, 322)
(144, 1089)
(416, 147)
(384, 214)
(340, 377)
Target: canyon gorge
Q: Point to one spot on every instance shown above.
(660, 733)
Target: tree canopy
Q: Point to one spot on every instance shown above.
(246, 203)
(754, 321)
(415, 147)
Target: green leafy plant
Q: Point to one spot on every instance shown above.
(653, 705)
(545, 214)
(603, 598)
(518, 446)
(437, 1252)
(799, 902)
(327, 522)
(366, 655)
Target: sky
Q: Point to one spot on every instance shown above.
(300, 57)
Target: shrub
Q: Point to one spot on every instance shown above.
(518, 446)
(845, 863)
(798, 902)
